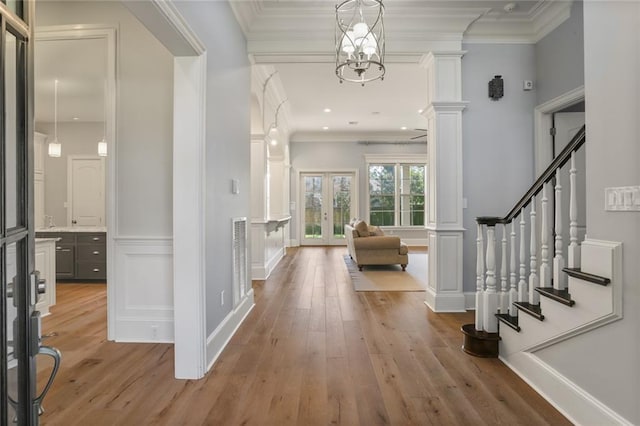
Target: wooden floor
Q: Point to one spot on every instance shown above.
(311, 352)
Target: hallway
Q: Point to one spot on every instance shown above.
(312, 351)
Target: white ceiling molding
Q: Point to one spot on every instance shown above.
(306, 28)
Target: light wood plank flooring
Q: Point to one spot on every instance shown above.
(312, 352)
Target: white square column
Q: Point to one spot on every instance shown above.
(444, 211)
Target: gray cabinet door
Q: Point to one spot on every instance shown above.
(65, 261)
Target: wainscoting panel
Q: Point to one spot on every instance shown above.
(143, 289)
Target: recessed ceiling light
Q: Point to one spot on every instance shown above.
(353, 123)
(420, 111)
(403, 128)
(76, 118)
(325, 128)
(375, 113)
(327, 110)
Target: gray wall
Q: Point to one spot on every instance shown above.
(605, 362)
(228, 142)
(144, 115)
(560, 58)
(497, 138)
(76, 138)
(346, 155)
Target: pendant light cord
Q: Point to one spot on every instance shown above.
(55, 111)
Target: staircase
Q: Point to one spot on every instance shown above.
(530, 297)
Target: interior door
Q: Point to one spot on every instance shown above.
(328, 206)
(19, 322)
(86, 191)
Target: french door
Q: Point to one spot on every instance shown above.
(19, 322)
(328, 205)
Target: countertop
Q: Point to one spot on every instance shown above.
(73, 229)
(46, 240)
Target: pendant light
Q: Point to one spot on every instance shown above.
(55, 147)
(360, 43)
(102, 145)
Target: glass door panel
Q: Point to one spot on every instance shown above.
(341, 197)
(327, 207)
(313, 209)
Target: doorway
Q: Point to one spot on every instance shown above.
(329, 204)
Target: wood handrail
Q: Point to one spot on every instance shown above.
(575, 144)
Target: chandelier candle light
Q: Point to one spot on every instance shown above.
(360, 41)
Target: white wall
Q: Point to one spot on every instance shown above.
(321, 156)
(144, 114)
(227, 142)
(605, 362)
(140, 291)
(76, 138)
(497, 138)
(560, 58)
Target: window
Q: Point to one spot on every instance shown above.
(396, 194)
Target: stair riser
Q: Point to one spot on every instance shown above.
(595, 298)
(565, 318)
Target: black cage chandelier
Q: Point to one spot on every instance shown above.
(360, 41)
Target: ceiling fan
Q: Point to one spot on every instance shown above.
(420, 136)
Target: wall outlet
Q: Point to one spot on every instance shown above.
(527, 85)
(222, 298)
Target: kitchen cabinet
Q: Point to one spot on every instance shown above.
(80, 256)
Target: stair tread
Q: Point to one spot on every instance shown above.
(533, 310)
(561, 296)
(577, 273)
(509, 321)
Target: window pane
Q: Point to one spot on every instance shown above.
(313, 207)
(11, 133)
(16, 6)
(412, 195)
(341, 204)
(382, 187)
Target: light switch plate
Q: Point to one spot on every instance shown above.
(622, 199)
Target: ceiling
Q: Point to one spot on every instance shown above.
(296, 37)
(80, 67)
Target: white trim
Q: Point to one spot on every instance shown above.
(542, 123)
(179, 25)
(355, 207)
(218, 340)
(71, 32)
(439, 302)
(470, 300)
(188, 215)
(396, 158)
(572, 401)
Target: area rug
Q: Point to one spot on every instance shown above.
(390, 277)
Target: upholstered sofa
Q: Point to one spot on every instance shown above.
(367, 245)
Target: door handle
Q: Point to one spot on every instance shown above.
(57, 358)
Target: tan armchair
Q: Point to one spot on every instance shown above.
(367, 245)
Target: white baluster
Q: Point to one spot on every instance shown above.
(504, 293)
(534, 297)
(513, 291)
(490, 322)
(559, 278)
(522, 284)
(479, 280)
(545, 271)
(573, 258)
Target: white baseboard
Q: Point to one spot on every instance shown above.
(220, 337)
(573, 402)
(454, 302)
(470, 300)
(262, 272)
